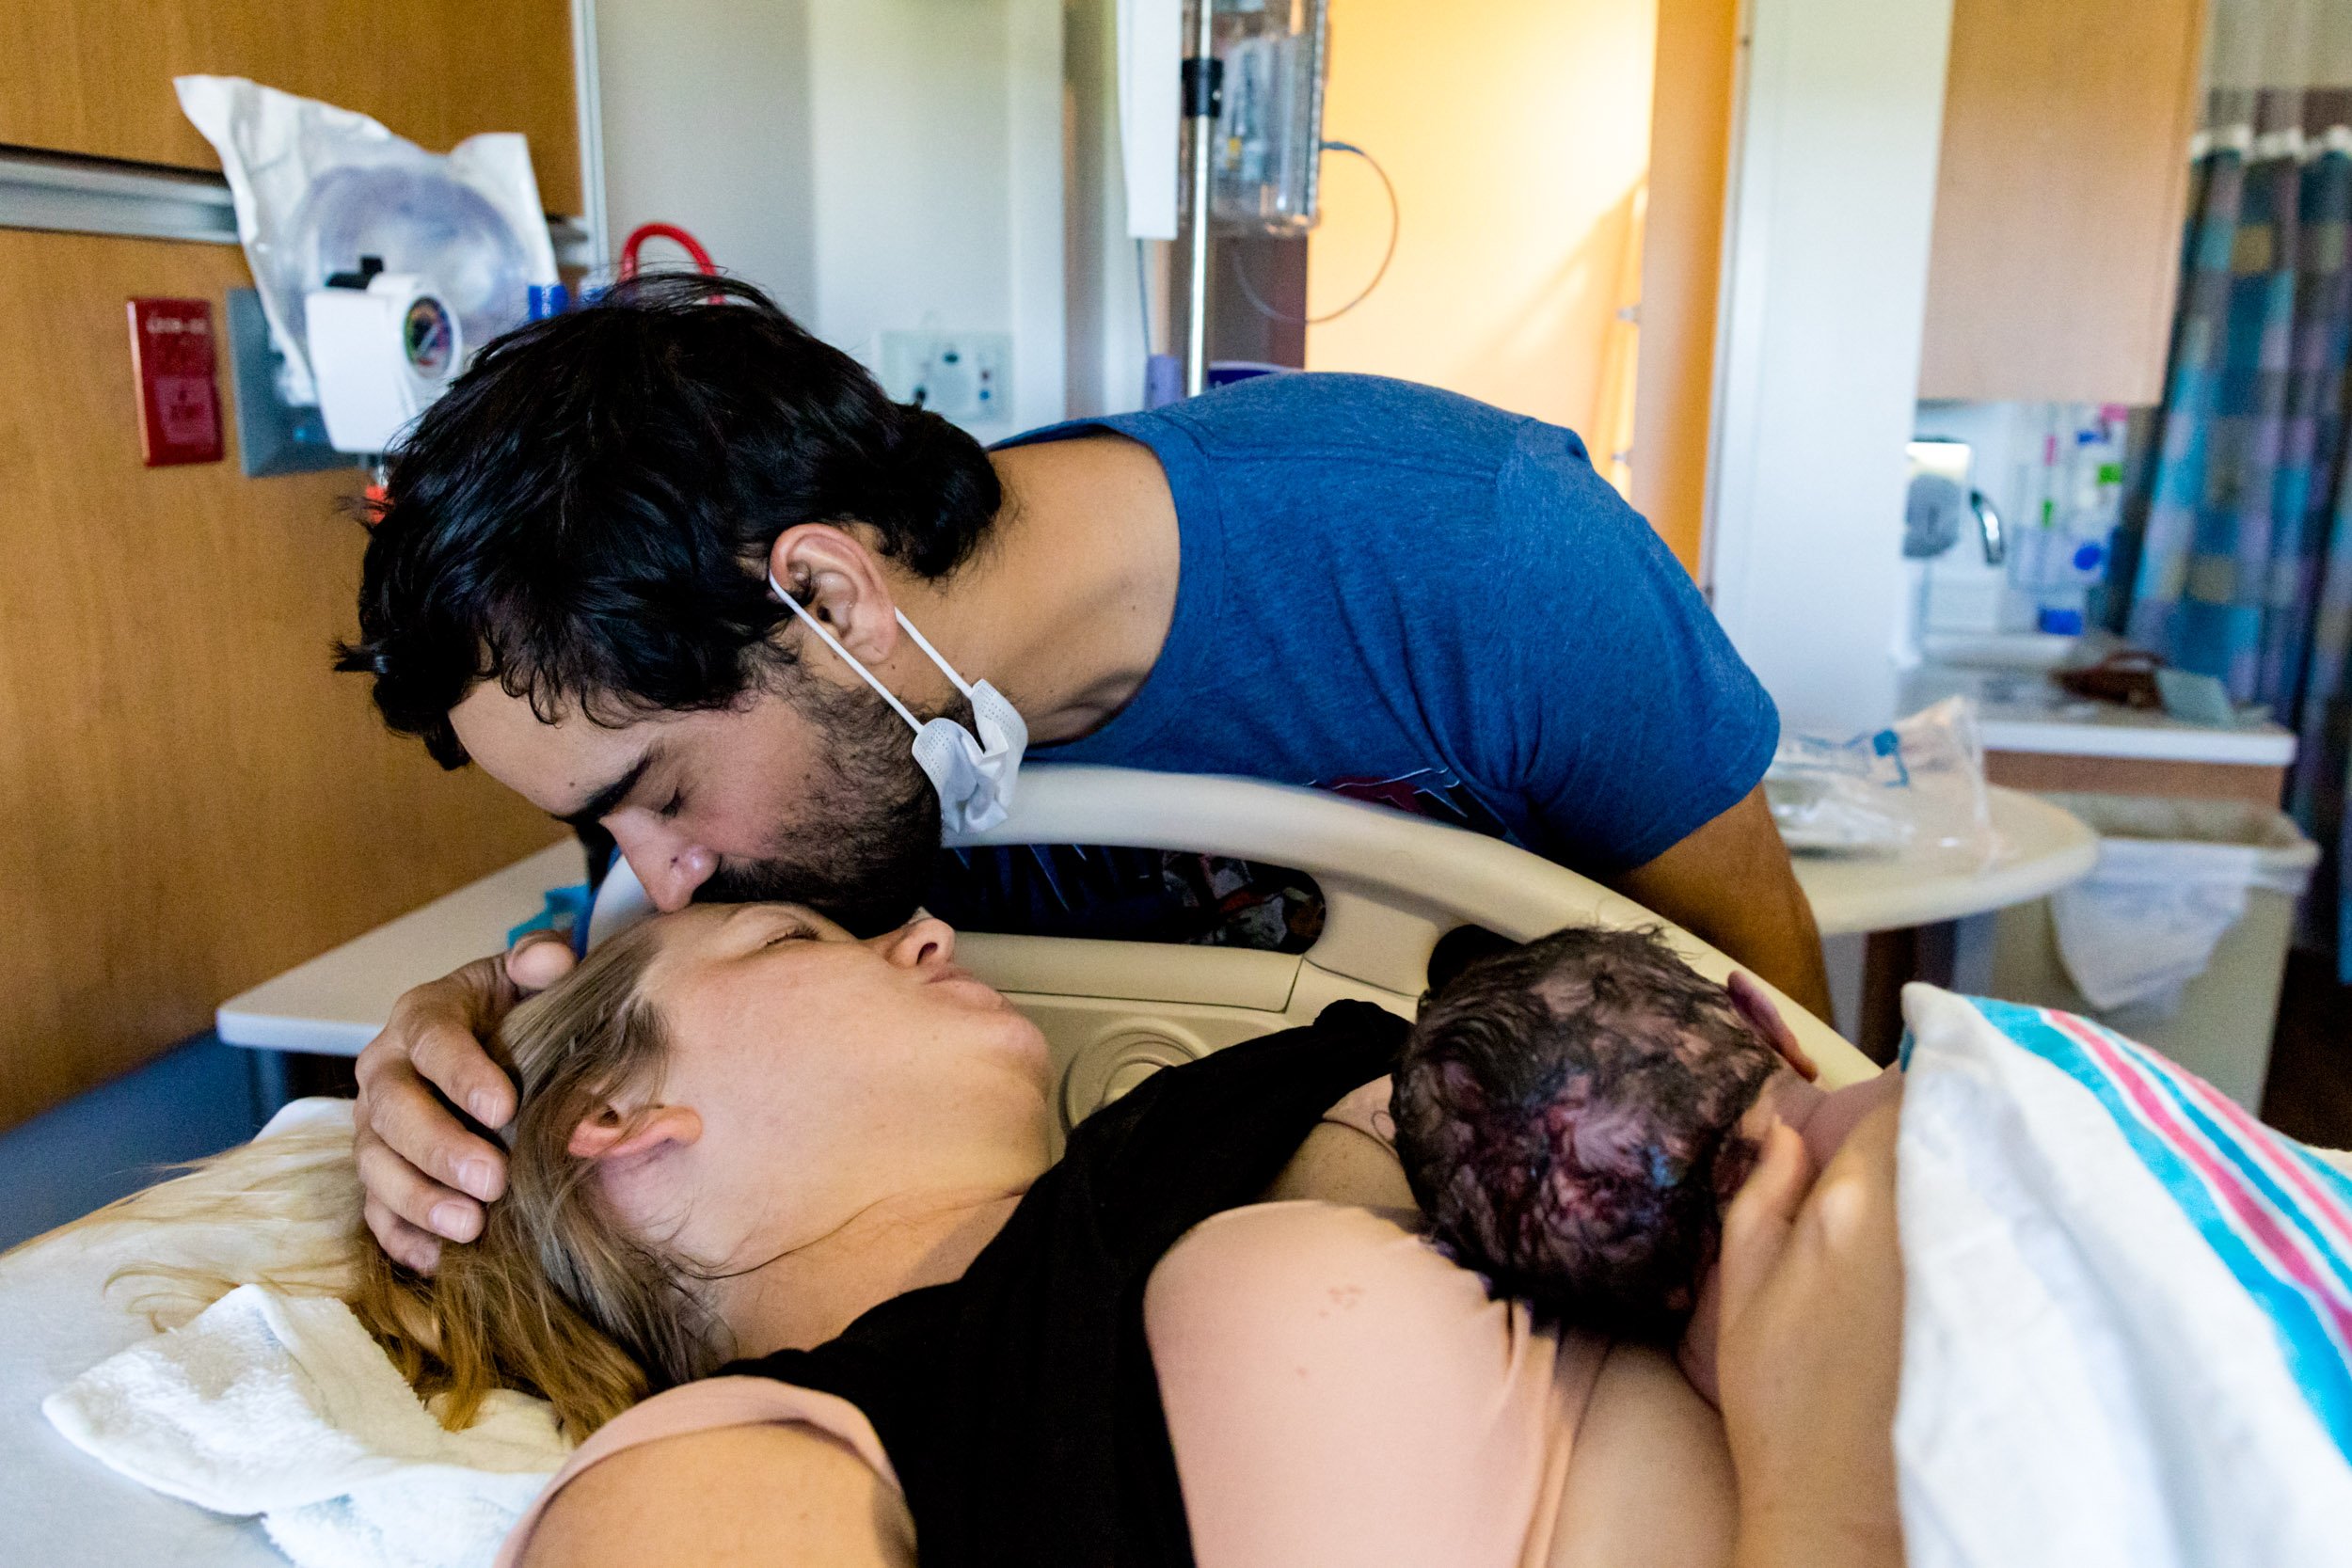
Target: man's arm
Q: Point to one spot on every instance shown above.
(1730, 884)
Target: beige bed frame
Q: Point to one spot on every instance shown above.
(1117, 1011)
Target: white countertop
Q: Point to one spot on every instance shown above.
(2043, 848)
(337, 1002)
(2022, 709)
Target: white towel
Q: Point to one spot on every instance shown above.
(284, 1407)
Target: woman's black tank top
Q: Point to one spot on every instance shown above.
(1018, 1403)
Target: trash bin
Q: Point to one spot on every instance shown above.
(2177, 938)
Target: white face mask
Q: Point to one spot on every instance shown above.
(974, 775)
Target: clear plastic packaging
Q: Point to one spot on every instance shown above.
(1915, 788)
(317, 187)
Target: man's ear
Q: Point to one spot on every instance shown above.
(841, 583)
(1748, 998)
(614, 1135)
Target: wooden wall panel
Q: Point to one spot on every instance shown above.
(194, 802)
(94, 76)
(2058, 208)
(1698, 43)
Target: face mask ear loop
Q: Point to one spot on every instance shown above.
(843, 654)
(924, 643)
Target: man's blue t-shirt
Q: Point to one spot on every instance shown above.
(1408, 596)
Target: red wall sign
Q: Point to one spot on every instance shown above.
(172, 350)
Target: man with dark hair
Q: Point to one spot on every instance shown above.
(676, 571)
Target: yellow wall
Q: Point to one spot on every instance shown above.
(1517, 132)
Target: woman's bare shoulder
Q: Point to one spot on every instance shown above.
(765, 1494)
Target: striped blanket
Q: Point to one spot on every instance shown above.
(2127, 1331)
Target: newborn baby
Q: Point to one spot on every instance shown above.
(1575, 1113)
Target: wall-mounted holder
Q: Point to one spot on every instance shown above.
(273, 435)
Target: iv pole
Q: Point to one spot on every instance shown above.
(1203, 94)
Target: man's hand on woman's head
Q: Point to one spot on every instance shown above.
(1811, 1353)
(426, 1174)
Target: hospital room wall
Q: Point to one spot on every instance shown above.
(194, 802)
(1517, 134)
(705, 110)
(877, 164)
(1840, 125)
(1113, 315)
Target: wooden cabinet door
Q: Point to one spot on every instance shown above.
(194, 802)
(2059, 209)
(94, 76)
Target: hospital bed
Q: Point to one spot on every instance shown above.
(1113, 1013)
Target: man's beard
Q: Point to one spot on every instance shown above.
(867, 835)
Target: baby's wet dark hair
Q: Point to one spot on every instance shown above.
(1567, 1112)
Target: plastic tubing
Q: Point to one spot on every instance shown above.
(643, 231)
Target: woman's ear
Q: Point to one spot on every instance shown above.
(612, 1133)
(841, 583)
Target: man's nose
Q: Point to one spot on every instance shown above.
(669, 864)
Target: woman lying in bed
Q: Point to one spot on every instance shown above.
(750, 1142)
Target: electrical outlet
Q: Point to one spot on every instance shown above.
(962, 377)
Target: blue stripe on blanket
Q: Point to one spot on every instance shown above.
(2232, 1145)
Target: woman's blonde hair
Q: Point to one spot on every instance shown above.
(554, 1298)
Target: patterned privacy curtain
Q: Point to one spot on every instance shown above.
(2235, 555)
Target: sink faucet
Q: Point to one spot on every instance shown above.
(1988, 527)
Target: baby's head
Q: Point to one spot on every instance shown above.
(1570, 1113)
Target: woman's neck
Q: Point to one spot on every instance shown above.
(808, 1294)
